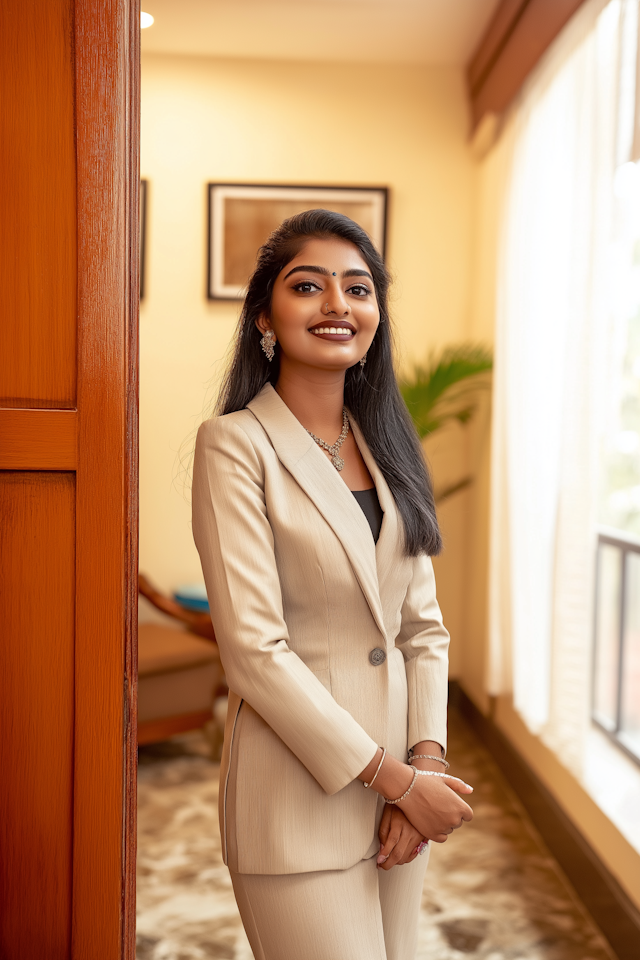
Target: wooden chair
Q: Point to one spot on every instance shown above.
(179, 671)
(178, 677)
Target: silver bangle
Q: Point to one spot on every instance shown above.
(411, 785)
(370, 784)
(425, 756)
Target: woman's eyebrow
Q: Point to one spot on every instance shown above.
(354, 272)
(303, 269)
(357, 272)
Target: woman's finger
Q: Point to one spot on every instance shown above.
(407, 847)
(454, 783)
(385, 825)
(421, 847)
(396, 856)
(408, 857)
(388, 846)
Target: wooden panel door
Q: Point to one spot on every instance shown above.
(68, 477)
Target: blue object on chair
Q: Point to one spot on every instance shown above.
(193, 597)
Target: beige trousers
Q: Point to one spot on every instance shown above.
(358, 914)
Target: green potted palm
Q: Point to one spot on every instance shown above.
(447, 389)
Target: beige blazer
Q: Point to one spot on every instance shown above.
(300, 597)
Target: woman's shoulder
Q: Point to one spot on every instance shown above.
(238, 427)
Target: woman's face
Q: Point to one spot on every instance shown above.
(324, 310)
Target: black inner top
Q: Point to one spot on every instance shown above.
(370, 506)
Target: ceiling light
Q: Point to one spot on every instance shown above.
(145, 20)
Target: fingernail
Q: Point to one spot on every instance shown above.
(382, 859)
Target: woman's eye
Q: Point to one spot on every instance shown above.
(359, 289)
(306, 287)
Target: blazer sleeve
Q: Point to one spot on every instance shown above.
(235, 542)
(424, 643)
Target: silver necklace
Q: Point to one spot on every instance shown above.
(333, 448)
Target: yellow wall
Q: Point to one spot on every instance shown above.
(257, 121)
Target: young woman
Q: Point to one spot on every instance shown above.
(314, 518)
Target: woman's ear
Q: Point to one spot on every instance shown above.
(263, 323)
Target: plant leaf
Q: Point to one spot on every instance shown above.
(446, 388)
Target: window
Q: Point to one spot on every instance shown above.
(616, 669)
(566, 413)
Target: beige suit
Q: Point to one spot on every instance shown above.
(300, 597)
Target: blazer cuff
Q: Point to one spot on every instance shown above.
(428, 731)
(339, 772)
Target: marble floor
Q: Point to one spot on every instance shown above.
(492, 892)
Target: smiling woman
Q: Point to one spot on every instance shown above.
(316, 556)
(274, 306)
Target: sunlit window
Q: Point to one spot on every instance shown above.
(620, 480)
(616, 688)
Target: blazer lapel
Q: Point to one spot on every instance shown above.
(318, 478)
(391, 562)
(387, 545)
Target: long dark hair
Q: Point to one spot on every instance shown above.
(370, 394)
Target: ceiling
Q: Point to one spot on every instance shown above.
(388, 31)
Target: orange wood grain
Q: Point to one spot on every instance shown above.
(107, 112)
(69, 187)
(37, 573)
(38, 439)
(514, 42)
(37, 205)
(151, 731)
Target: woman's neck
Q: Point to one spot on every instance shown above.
(316, 400)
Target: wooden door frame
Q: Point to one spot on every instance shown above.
(107, 49)
(94, 435)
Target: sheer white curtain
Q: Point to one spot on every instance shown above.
(570, 129)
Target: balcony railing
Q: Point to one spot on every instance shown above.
(616, 659)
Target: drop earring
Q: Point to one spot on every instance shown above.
(363, 361)
(267, 342)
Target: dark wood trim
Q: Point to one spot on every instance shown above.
(107, 116)
(152, 731)
(493, 42)
(135, 269)
(38, 439)
(513, 43)
(600, 892)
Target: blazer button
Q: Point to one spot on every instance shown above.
(377, 656)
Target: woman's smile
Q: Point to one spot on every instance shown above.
(338, 331)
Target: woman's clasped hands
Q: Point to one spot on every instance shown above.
(399, 839)
(431, 810)
(435, 806)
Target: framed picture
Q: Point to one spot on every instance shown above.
(241, 217)
(143, 233)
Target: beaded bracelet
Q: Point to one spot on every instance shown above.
(370, 784)
(436, 773)
(425, 756)
(411, 785)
